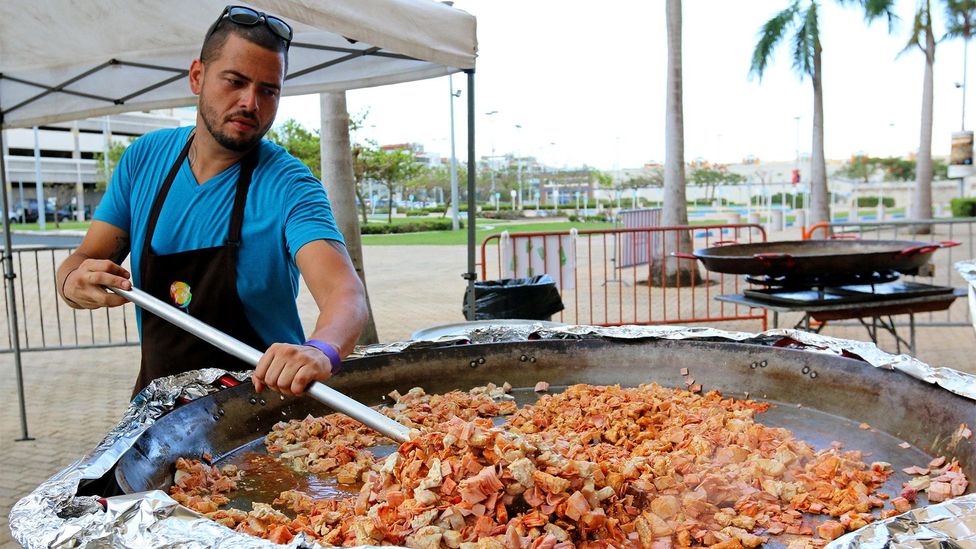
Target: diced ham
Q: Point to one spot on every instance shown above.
(830, 530)
(577, 506)
(480, 487)
(915, 470)
(901, 505)
(589, 467)
(939, 491)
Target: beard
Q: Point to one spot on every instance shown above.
(213, 123)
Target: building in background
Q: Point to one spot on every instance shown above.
(68, 151)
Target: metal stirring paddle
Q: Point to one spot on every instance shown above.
(319, 391)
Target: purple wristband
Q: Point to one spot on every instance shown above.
(329, 351)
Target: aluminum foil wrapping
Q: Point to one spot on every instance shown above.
(948, 524)
(968, 271)
(53, 516)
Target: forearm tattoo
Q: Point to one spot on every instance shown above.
(121, 250)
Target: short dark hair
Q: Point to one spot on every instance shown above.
(259, 35)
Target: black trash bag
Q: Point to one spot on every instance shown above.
(535, 298)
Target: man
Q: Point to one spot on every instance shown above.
(221, 223)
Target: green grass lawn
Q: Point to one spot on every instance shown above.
(485, 227)
(50, 226)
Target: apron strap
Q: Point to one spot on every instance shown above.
(161, 197)
(248, 163)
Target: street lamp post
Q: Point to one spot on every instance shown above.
(965, 62)
(491, 160)
(796, 164)
(519, 153)
(455, 220)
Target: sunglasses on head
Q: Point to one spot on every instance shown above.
(247, 17)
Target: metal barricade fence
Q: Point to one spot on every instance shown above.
(961, 230)
(45, 323)
(636, 253)
(596, 292)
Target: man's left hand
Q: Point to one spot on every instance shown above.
(289, 369)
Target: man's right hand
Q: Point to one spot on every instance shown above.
(84, 287)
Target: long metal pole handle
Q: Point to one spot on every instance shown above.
(319, 391)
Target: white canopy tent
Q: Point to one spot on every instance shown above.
(68, 60)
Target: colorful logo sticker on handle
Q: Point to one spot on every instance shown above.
(180, 293)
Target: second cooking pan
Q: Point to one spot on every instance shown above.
(819, 257)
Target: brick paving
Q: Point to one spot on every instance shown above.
(75, 397)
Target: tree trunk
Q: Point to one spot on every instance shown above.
(922, 197)
(362, 204)
(819, 193)
(340, 184)
(675, 211)
(389, 204)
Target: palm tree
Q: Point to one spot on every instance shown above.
(675, 211)
(803, 20)
(923, 38)
(340, 183)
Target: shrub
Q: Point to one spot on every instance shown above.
(707, 201)
(567, 206)
(462, 206)
(410, 227)
(501, 214)
(796, 200)
(573, 218)
(628, 203)
(872, 202)
(963, 207)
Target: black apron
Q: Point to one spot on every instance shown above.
(201, 282)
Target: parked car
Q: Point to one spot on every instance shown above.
(67, 213)
(27, 211)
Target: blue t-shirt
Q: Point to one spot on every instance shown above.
(286, 208)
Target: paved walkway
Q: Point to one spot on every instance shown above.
(75, 397)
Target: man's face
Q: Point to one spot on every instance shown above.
(239, 92)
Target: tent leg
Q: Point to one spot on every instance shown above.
(9, 276)
(470, 276)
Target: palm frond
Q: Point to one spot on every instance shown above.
(875, 9)
(803, 46)
(960, 17)
(769, 36)
(917, 38)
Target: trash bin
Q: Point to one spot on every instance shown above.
(535, 298)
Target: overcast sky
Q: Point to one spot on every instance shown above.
(586, 81)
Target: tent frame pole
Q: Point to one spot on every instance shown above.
(9, 275)
(471, 275)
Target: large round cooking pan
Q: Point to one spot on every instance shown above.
(818, 257)
(822, 397)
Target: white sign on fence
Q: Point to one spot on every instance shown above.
(527, 256)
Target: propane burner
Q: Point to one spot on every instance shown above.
(821, 282)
